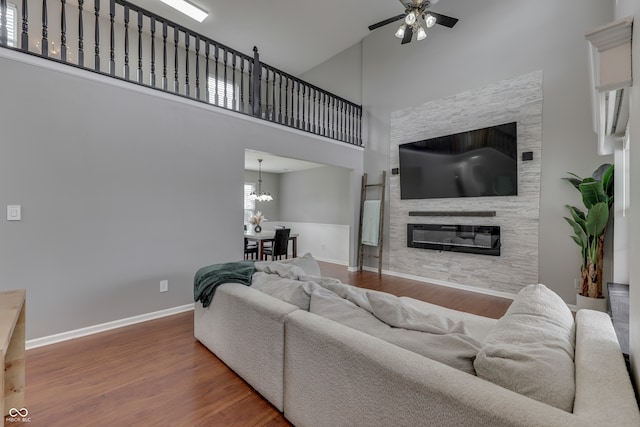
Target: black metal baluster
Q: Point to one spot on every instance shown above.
(242, 84)
(251, 87)
(139, 47)
(359, 125)
(4, 33)
(266, 92)
(112, 38)
(44, 43)
(126, 42)
(216, 54)
(198, 67)
(286, 100)
(304, 123)
(152, 76)
(332, 118)
(176, 37)
(273, 95)
(206, 71)
(315, 118)
(256, 82)
(324, 113)
(293, 105)
(280, 99)
(309, 109)
(164, 56)
(298, 106)
(233, 74)
(96, 65)
(349, 123)
(339, 119)
(225, 60)
(354, 128)
(187, 37)
(25, 25)
(63, 31)
(80, 34)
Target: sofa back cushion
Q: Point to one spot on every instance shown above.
(530, 350)
(454, 349)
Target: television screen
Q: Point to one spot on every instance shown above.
(477, 163)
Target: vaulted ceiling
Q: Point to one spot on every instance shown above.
(292, 35)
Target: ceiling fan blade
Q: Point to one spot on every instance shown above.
(445, 20)
(407, 3)
(408, 33)
(385, 22)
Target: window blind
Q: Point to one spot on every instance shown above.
(225, 93)
(11, 24)
(249, 205)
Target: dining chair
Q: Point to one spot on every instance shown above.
(250, 249)
(280, 244)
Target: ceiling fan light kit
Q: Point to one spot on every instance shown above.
(415, 19)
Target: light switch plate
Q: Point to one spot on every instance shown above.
(14, 213)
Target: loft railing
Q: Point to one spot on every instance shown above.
(121, 40)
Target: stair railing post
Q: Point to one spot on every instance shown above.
(257, 75)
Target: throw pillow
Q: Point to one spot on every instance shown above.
(531, 349)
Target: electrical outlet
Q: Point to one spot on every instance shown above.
(164, 285)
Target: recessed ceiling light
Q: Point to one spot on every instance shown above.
(187, 8)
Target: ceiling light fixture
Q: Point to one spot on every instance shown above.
(188, 9)
(260, 196)
(421, 34)
(410, 18)
(400, 32)
(430, 20)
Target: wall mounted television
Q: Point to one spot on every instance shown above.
(477, 163)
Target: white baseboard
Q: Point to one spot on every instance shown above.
(89, 330)
(447, 284)
(331, 261)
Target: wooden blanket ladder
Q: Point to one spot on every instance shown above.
(367, 221)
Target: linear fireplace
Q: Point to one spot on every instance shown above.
(475, 239)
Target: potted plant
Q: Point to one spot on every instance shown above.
(590, 228)
(256, 220)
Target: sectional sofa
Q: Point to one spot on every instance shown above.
(329, 354)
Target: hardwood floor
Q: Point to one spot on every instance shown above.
(157, 374)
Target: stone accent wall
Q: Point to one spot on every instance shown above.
(518, 99)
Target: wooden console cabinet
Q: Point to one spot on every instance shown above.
(12, 354)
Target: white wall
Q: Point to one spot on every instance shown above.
(497, 40)
(632, 8)
(322, 195)
(121, 187)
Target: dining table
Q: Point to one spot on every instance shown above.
(269, 236)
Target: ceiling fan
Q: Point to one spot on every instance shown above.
(416, 17)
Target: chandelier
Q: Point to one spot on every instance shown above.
(260, 196)
(412, 21)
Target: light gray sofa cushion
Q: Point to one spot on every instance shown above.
(531, 349)
(306, 265)
(292, 291)
(454, 349)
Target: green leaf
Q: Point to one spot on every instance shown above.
(592, 193)
(597, 219)
(574, 181)
(579, 232)
(608, 183)
(578, 215)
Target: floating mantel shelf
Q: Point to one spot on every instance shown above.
(452, 213)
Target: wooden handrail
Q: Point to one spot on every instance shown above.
(233, 80)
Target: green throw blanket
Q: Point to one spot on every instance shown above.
(207, 279)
